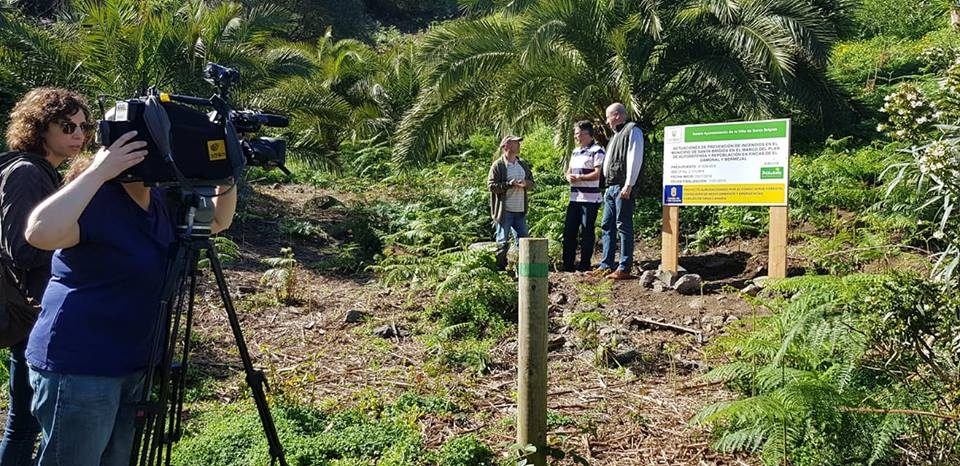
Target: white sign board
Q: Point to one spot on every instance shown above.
(743, 163)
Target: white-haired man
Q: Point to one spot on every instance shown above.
(621, 170)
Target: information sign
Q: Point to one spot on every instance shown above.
(743, 163)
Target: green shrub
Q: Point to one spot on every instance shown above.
(900, 18)
(464, 451)
(860, 65)
(647, 216)
(474, 300)
(848, 180)
(910, 114)
(367, 160)
(470, 355)
(385, 435)
(538, 149)
(359, 242)
(731, 223)
(846, 251)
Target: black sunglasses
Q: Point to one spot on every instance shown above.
(68, 127)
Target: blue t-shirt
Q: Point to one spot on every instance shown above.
(101, 304)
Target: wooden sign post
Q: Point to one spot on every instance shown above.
(777, 263)
(670, 237)
(777, 253)
(532, 271)
(726, 164)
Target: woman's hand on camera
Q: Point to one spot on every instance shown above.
(109, 162)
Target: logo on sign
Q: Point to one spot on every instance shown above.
(673, 194)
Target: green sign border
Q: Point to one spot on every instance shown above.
(736, 131)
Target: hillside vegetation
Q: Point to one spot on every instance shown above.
(397, 108)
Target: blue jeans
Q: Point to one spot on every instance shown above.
(617, 214)
(86, 420)
(22, 428)
(515, 221)
(581, 220)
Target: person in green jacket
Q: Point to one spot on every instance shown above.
(509, 181)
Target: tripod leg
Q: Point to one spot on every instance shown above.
(147, 409)
(179, 379)
(255, 379)
(169, 372)
(148, 434)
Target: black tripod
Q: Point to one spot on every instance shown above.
(159, 414)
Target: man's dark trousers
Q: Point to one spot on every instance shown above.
(581, 221)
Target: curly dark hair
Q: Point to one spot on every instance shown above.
(32, 115)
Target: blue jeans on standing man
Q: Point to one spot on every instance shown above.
(581, 220)
(87, 420)
(617, 215)
(515, 221)
(22, 429)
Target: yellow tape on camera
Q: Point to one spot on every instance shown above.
(217, 149)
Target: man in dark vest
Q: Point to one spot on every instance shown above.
(621, 170)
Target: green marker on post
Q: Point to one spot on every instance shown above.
(533, 270)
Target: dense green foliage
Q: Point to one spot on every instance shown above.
(900, 18)
(831, 353)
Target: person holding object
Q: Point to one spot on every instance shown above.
(509, 180)
(91, 344)
(583, 173)
(621, 170)
(47, 127)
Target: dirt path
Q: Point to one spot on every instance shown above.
(632, 412)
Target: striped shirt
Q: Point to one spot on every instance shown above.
(584, 160)
(513, 202)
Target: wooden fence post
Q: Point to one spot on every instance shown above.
(533, 269)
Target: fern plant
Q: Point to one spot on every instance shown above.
(282, 276)
(838, 371)
(226, 249)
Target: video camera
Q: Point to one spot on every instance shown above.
(189, 146)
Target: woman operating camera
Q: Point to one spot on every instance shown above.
(92, 341)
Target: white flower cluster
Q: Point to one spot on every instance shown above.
(942, 160)
(910, 113)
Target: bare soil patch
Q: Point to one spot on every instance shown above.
(632, 412)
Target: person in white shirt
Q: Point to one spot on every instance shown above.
(583, 173)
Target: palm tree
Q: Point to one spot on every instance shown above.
(555, 61)
(354, 93)
(322, 103)
(389, 92)
(33, 54)
(130, 44)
